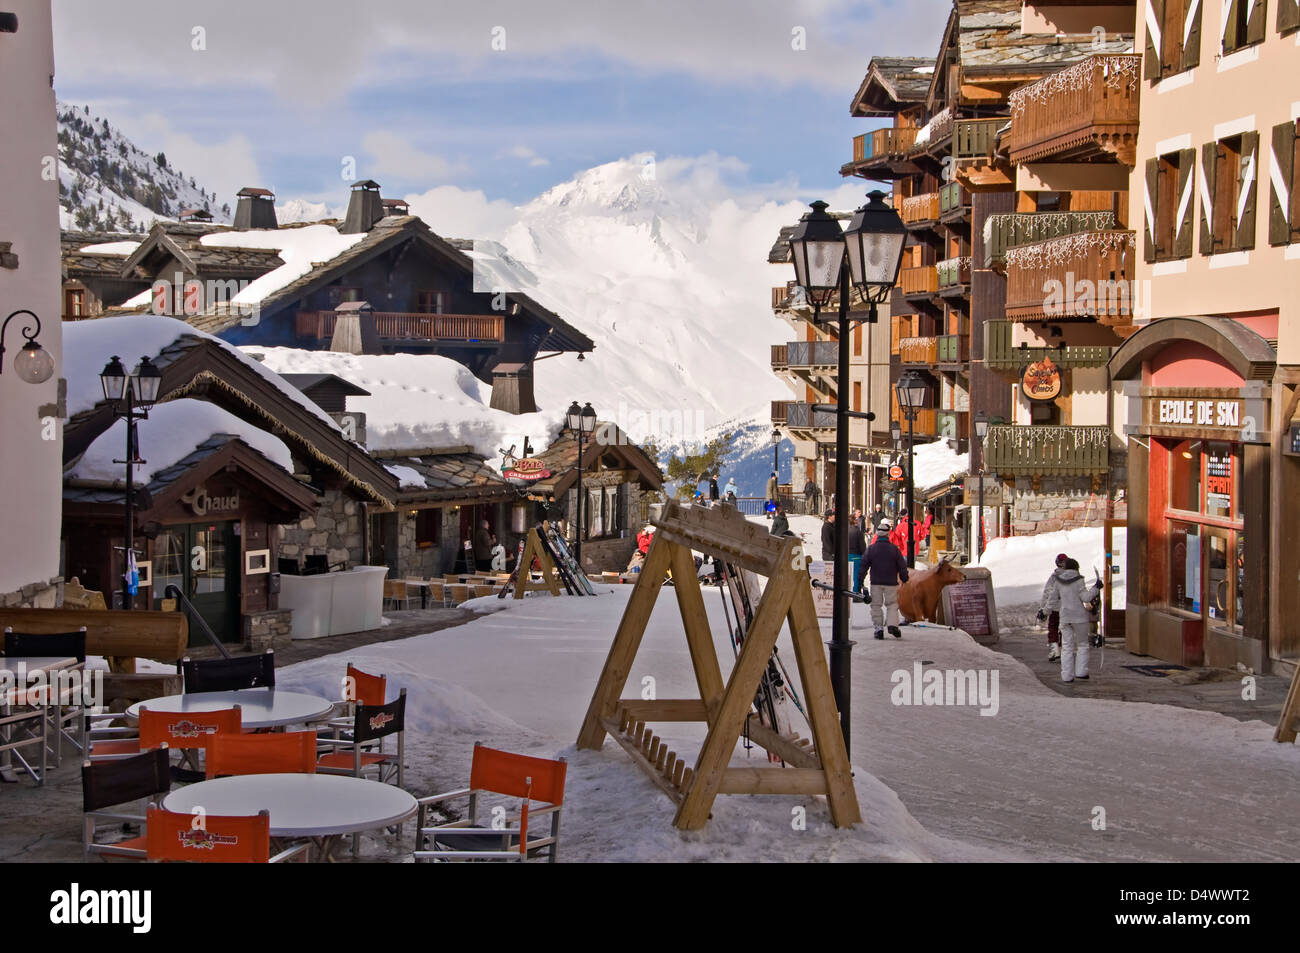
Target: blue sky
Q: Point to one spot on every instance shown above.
(278, 94)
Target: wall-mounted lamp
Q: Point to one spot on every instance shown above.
(33, 363)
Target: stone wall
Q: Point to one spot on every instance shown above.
(333, 531)
(271, 630)
(35, 595)
(613, 552)
(1067, 502)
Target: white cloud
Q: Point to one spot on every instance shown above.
(462, 213)
(393, 155)
(525, 153)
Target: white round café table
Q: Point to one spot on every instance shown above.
(258, 707)
(316, 806)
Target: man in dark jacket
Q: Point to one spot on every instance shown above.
(877, 515)
(483, 546)
(888, 567)
(828, 537)
(780, 525)
(713, 487)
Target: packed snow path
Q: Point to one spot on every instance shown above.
(1024, 783)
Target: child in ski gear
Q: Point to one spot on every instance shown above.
(887, 568)
(1076, 624)
(1050, 606)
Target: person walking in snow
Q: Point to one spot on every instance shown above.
(780, 525)
(1076, 621)
(1049, 608)
(886, 566)
(713, 488)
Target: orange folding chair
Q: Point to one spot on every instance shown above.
(293, 752)
(500, 773)
(214, 839)
(187, 732)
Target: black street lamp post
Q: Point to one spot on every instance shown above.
(826, 260)
(131, 398)
(776, 463)
(981, 431)
(582, 421)
(911, 397)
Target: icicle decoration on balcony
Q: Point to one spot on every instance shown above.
(1057, 251)
(1029, 227)
(1117, 71)
(936, 128)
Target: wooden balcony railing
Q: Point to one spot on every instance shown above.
(882, 144)
(778, 411)
(953, 272)
(1087, 111)
(923, 280)
(918, 350)
(953, 349)
(1001, 355)
(1008, 229)
(800, 416)
(953, 199)
(779, 359)
(1043, 450)
(813, 353)
(1075, 277)
(410, 326)
(779, 297)
(952, 424)
(920, 208)
(973, 138)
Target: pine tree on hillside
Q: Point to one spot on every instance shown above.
(687, 471)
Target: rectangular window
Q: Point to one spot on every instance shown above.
(1284, 195)
(594, 516)
(1288, 16)
(1243, 24)
(857, 341)
(430, 302)
(1169, 206)
(1185, 566)
(74, 303)
(857, 395)
(428, 527)
(1185, 477)
(1173, 29)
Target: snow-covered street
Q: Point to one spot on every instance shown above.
(934, 783)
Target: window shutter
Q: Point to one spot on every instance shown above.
(1230, 40)
(1257, 23)
(1249, 175)
(1192, 34)
(1288, 15)
(1205, 183)
(1185, 220)
(1155, 16)
(1281, 174)
(1149, 210)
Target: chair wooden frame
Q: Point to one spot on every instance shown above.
(722, 532)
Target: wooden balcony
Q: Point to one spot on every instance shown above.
(1008, 229)
(778, 411)
(1076, 277)
(1047, 451)
(973, 147)
(411, 326)
(918, 350)
(779, 360)
(973, 138)
(952, 424)
(1001, 355)
(954, 202)
(953, 273)
(918, 281)
(953, 349)
(1084, 113)
(920, 210)
(824, 355)
(801, 416)
(882, 154)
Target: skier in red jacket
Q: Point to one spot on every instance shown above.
(921, 532)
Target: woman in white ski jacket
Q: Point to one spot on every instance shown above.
(1076, 623)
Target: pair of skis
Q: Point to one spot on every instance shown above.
(514, 575)
(575, 580)
(561, 545)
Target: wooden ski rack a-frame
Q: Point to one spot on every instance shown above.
(1286, 722)
(533, 548)
(723, 533)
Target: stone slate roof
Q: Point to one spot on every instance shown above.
(990, 41)
(892, 82)
(182, 239)
(76, 262)
(450, 476)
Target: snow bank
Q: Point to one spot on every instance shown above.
(420, 400)
(1021, 564)
(89, 345)
(172, 432)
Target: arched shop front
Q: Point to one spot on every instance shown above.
(1202, 513)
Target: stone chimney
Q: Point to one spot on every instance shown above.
(365, 207)
(256, 209)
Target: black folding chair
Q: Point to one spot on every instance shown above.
(113, 784)
(229, 674)
(60, 709)
(359, 755)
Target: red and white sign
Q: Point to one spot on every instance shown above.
(527, 468)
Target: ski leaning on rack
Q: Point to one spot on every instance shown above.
(514, 576)
(561, 569)
(561, 548)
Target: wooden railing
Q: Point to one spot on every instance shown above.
(953, 197)
(1008, 229)
(923, 280)
(924, 425)
(779, 296)
(953, 272)
(973, 138)
(953, 349)
(405, 325)
(918, 350)
(1001, 355)
(1088, 275)
(882, 143)
(1084, 111)
(800, 416)
(778, 411)
(778, 356)
(1063, 451)
(920, 208)
(813, 353)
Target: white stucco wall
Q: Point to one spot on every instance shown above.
(30, 466)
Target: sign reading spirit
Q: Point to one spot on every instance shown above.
(201, 504)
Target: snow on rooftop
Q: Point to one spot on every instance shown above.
(933, 463)
(89, 345)
(301, 248)
(171, 432)
(407, 476)
(923, 69)
(420, 401)
(110, 248)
